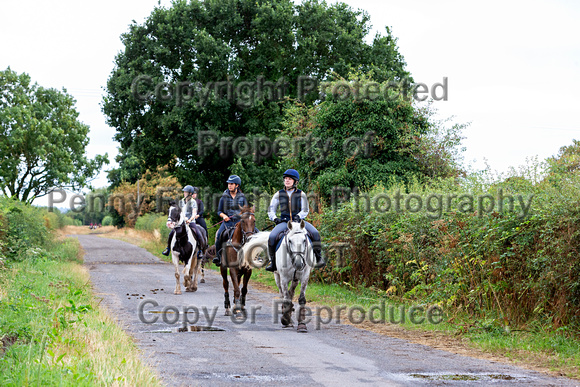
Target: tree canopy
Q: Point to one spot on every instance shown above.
(356, 138)
(224, 67)
(42, 143)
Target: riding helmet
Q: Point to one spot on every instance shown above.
(292, 173)
(234, 179)
(188, 188)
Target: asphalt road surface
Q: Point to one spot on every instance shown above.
(137, 288)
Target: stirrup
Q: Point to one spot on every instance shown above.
(166, 252)
(270, 266)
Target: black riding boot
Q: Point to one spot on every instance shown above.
(168, 248)
(217, 260)
(320, 263)
(166, 251)
(272, 265)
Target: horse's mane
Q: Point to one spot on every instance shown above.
(245, 209)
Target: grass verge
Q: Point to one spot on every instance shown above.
(52, 331)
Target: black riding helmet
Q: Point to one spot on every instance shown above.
(234, 179)
(189, 188)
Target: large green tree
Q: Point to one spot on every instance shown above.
(357, 137)
(42, 143)
(276, 43)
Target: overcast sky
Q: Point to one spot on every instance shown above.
(513, 68)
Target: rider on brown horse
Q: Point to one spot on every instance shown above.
(293, 205)
(229, 210)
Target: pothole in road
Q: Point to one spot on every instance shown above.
(198, 328)
(188, 328)
(462, 377)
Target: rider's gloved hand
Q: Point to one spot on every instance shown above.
(277, 220)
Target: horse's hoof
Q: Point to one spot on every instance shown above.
(288, 326)
(202, 281)
(177, 293)
(228, 312)
(286, 322)
(302, 328)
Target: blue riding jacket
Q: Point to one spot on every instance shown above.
(231, 206)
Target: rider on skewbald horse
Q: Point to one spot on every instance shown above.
(293, 205)
(229, 210)
(190, 205)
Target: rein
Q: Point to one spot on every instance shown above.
(245, 236)
(217, 223)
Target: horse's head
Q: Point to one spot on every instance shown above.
(247, 221)
(175, 213)
(297, 244)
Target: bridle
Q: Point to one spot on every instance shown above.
(295, 254)
(245, 234)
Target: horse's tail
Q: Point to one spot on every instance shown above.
(257, 244)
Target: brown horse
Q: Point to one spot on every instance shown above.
(238, 267)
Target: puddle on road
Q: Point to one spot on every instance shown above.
(463, 377)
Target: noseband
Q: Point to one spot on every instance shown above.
(294, 254)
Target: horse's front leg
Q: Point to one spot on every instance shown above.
(247, 275)
(236, 285)
(191, 285)
(177, 279)
(287, 305)
(293, 286)
(302, 302)
(226, 285)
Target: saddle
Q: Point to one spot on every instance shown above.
(200, 235)
(227, 235)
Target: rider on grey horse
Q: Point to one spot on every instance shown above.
(189, 204)
(293, 205)
(229, 210)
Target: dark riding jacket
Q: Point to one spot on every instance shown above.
(231, 206)
(293, 206)
(200, 208)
